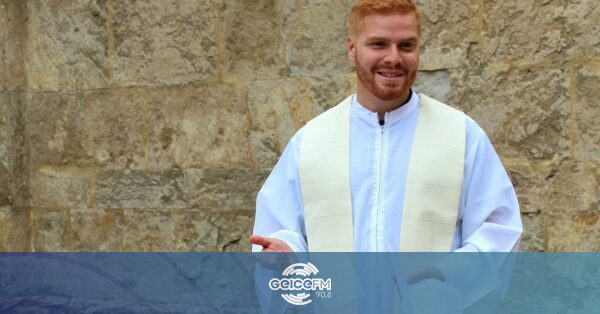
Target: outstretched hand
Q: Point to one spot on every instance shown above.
(270, 244)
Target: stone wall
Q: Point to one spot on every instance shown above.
(150, 125)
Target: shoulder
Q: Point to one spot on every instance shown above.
(475, 135)
(331, 113)
(429, 103)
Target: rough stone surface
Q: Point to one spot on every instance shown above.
(212, 231)
(205, 126)
(5, 149)
(533, 233)
(5, 183)
(53, 187)
(524, 110)
(136, 189)
(279, 108)
(308, 49)
(15, 230)
(18, 155)
(97, 230)
(557, 185)
(252, 39)
(164, 42)
(3, 35)
(13, 43)
(573, 231)
(52, 129)
(151, 125)
(67, 45)
(448, 31)
(209, 130)
(50, 230)
(435, 84)
(539, 29)
(587, 111)
(186, 231)
(222, 189)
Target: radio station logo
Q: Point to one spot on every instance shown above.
(298, 284)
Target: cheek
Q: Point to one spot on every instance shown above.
(414, 60)
(370, 61)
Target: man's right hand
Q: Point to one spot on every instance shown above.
(270, 244)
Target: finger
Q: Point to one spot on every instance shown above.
(258, 240)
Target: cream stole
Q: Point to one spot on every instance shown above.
(433, 186)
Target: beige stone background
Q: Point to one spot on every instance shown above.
(150, 125)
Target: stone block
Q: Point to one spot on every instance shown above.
(53, 133)
(524, 110)
(3, 27)
(5, 186)
(97, 229)
(5, 149)
(149, 231)
(574, 188)
(14, 32)
(448, 31)
(18, 150)
(279, 108)
(557, 185)
(164, 42)
(209, 130)
(197, 231)
(60, 187)
(435, 84)
(316, 35)
(536, 30)
(139, 190)
(189, 230)
(234, 232)
(222, 189)
(573, 231)
(67, 45)
(587, 111)
(210, 231)
(205, 126)
(15, 229)
(533, 238)
(50, 230)
(113, 128)
(252, 40)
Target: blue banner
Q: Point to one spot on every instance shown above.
(300, 283)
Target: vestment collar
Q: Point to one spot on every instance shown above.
(391, 117)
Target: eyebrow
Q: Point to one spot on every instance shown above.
(377, 38)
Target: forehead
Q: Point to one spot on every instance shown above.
(389, 25)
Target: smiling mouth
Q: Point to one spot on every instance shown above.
(390, 75)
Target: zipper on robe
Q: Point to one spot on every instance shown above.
(377, 204)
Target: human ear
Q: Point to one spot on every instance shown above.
(351, 49)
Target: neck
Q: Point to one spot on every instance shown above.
(375, 104)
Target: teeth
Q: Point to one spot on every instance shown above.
(390, 75)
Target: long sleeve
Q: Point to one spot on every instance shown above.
(279, 209)
(491, 220)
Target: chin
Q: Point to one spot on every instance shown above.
(390, 95)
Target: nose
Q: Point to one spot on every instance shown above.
(392, 55)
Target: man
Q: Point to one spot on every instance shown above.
(387, 169)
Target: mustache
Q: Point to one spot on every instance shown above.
(389, 68)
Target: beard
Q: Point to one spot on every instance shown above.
(383, 92)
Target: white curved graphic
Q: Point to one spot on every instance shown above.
(291, 283)
(303, 269)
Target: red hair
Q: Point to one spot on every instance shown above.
(363, 8)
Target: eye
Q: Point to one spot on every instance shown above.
(407, 46)
(377, 44)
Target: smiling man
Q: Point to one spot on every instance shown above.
(387, 169)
